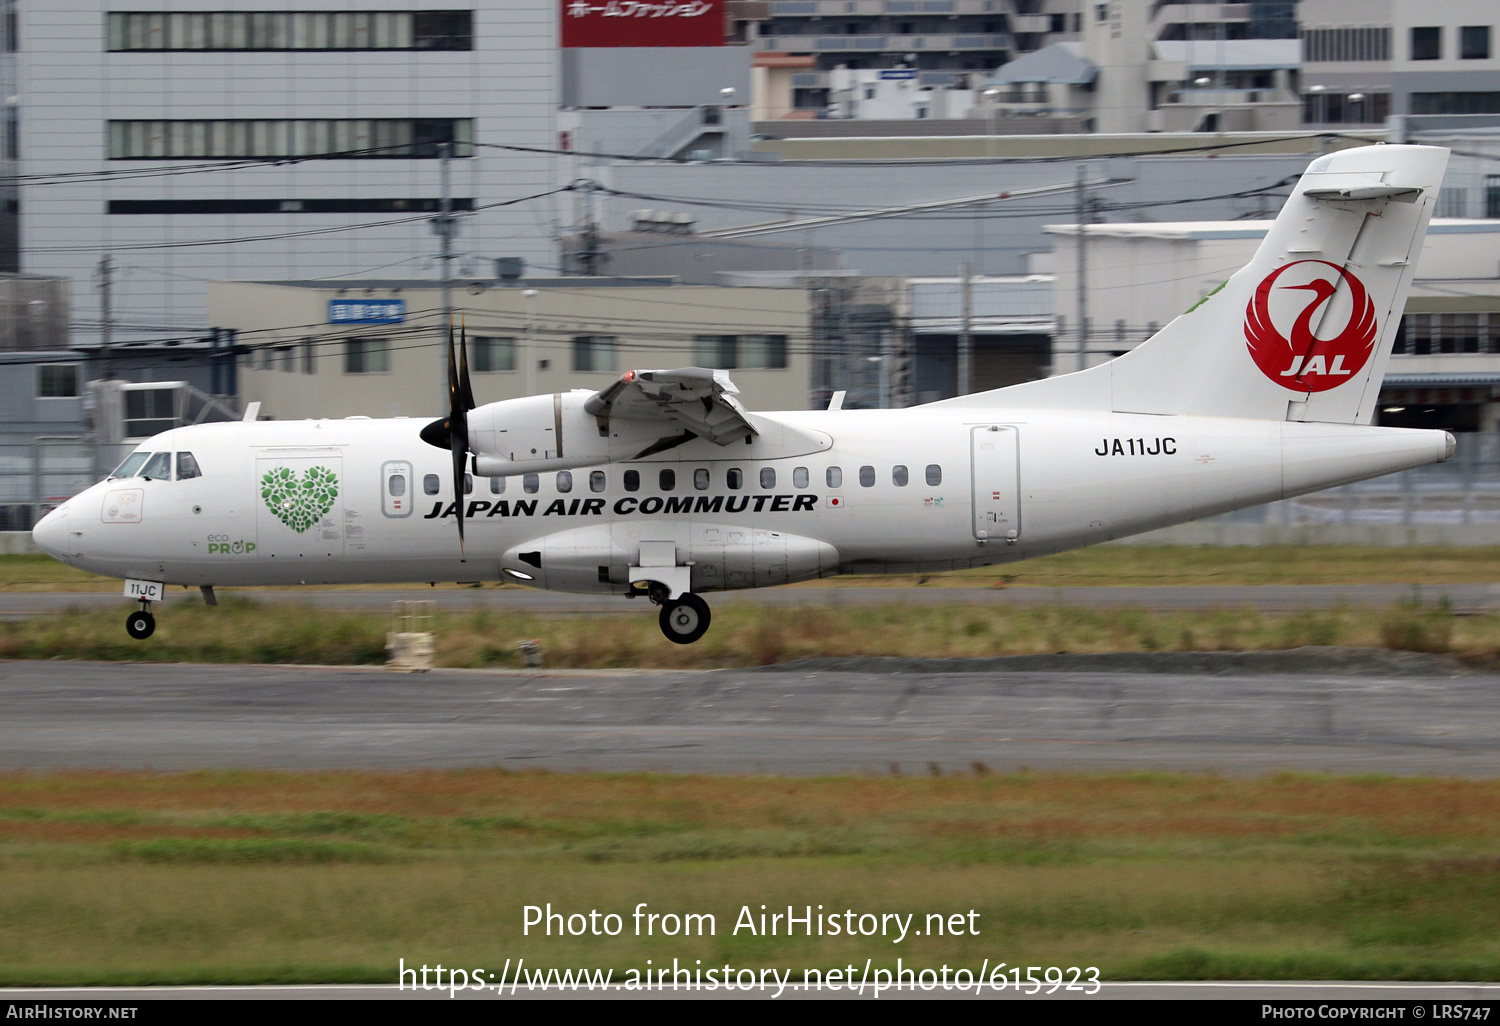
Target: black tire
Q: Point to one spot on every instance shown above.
(686, 619)
(140, 625)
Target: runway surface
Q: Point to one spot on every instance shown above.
(56, 715)
(1290, 597)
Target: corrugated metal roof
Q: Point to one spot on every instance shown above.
(1414, 380)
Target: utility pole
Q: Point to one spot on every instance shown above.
(965, 328)
(590, 257)
(106, 315)
(445, 227)
(1082, 211)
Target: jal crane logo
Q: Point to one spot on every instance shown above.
(1301, 360)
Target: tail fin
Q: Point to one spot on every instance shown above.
(1303, 331)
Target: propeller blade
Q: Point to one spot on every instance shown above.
(458, 433)
(466, 388)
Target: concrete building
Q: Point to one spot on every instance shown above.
(247, 140)
(1433, 63)
(1445, 371)
(1141, 67)
(374, 347)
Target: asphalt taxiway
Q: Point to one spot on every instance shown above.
(1234, 716)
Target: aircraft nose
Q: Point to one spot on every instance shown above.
(51, 533)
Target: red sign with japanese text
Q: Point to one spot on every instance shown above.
(588, 23)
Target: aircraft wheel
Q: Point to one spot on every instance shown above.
(140, 625)
(685, 620)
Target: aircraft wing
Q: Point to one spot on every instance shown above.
(695, 399)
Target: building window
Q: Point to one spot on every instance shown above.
(57, 381)
(288, 30)
(728, 352)
(594, 353)
(1455, 103)
(1343, 109)
(150, 411)
(1474, 43)
(488, 354)
(322, 138)
(309, 356)
(1427, 44)
(366, 356)
(1342, 45)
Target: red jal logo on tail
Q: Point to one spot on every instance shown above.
(1300, 360)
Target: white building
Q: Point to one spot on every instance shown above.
(189, 142)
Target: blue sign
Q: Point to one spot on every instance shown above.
(366, 311)
(898, 75)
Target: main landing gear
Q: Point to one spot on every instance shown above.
(684, 619)
(140, 624)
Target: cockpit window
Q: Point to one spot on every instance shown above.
(158, 467)
(187, 466)
(131, 465)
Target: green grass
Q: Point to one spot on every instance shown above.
(240, 630)
(250, 877)
(1103, 566)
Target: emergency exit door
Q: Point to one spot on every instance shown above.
(995, 472)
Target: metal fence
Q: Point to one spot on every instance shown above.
(35, 478)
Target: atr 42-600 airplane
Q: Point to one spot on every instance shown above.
(662, 485)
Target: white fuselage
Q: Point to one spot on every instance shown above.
(1006, 486)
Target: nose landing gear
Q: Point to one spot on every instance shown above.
(140, 624)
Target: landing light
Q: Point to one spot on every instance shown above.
(1394, 409)
(517, 573)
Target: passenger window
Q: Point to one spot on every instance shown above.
(158, 467)
(934, 474)
(430, 484)
(187, 466)
(835, 477)
(396, 485)
(497, 486)
(867, 477)
(768, 477)
(632, 480)
(734, 478)
(468, 484)
(700, 478)
(596, 481)
(898, 476)
(668, 479)
(799, 477)
(564, 481)
(531, 483)
(131, 465)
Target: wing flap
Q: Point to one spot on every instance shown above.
(693, 399)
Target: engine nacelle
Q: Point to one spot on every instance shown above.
(550, 432)
(718, 556)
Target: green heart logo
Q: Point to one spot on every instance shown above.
(299, 503)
